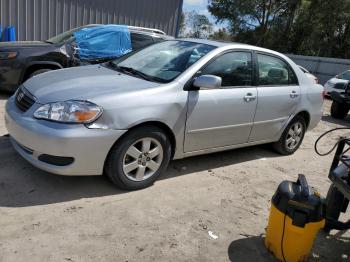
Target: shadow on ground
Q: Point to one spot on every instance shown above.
(342, 122)
(327, 248)
(24, 185)
(331, 247)
(249, 249)
(4, 96)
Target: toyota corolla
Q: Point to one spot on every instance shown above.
(128, 118)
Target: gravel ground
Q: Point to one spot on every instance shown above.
(44, 217)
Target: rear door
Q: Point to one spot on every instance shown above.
(223, 116)
(278, 96)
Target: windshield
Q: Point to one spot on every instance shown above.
(165, 61)
(345, 75)
(64, 36)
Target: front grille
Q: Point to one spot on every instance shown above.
(24, 100)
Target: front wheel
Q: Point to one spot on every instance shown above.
(139, 158)
(292, 137)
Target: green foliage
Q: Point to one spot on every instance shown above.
(221, 35)
(199, 25)
(308, 27)
(182, 24)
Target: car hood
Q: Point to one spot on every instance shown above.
(82, 83)
(23, 44)
(335, 80)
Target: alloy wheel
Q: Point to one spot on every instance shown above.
(143, 159)
(294, 136)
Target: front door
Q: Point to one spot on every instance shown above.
(278, 97)
(224, 116)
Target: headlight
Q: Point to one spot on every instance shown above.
(8, 55)
(69, 112)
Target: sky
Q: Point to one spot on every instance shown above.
(201, 7)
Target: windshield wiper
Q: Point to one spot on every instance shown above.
(133, 71)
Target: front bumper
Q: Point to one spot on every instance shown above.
(33, 138)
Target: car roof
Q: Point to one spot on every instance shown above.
(217, 43)
(140, 30)
(232, 45)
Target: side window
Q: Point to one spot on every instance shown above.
(139, 41)
(234, 68)
(274, 71)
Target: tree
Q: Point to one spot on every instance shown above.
(249, 16)
(182, 24)
(221, 34)
(308, 27)
(199, 25)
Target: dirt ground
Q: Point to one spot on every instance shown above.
(45, 217)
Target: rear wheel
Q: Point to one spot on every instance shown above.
(338, 110)
(139, 158)
(292, 137)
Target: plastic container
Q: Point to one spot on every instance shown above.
(297, 214)
(10, 34)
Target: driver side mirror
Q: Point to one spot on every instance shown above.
(207, 82)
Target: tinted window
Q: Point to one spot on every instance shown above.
(274, 71)
(234, 68)
(139, 41)
(345, 75)
(64, 36)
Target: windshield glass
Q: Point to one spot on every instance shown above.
(165, 61)
(345, 75)
(64, 36)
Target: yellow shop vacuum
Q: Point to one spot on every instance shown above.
(296, 216)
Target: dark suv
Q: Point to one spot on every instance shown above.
(24, 59)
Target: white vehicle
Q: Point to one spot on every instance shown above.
(309, 75)
(337, 83)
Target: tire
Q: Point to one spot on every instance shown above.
(336, 203)
(120, 160)
(285, 147)
(338, 110)
(38, 72)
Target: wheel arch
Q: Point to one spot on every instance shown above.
(34, 66)
(306, 115)
(164, 127)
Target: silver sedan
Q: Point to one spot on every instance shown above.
(128, 118)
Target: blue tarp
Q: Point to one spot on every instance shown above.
(106, 41)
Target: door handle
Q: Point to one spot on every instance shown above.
(249, 97)
(293, 94)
